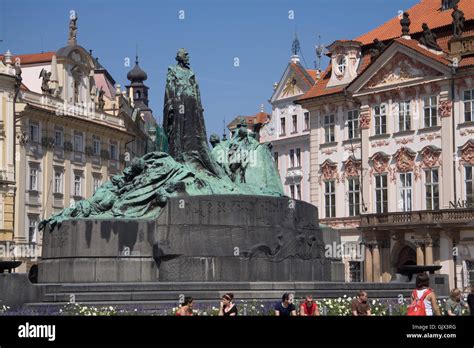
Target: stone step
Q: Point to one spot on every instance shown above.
(220, 286)
(142, 306)
(205, 295)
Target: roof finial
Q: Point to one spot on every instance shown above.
(295, 48)
(136, 54)
(405, 24)
(224, 133)
(319, 53)
(262, 108)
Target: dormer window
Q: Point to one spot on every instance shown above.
(341, 64)
(345, 59)
(447, 4)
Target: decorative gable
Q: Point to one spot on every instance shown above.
(401, 68)
(402, 63)
(295, 82)
(291, 88)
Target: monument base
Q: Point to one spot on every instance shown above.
(16, 291)
(218, 238)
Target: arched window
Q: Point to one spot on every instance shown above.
(137, 95)
(341, 64)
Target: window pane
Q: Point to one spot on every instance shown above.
(467, 94)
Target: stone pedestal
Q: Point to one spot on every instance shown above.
(195, 238)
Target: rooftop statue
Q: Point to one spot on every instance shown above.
(429, 38)
(458, 21)
(183, 165)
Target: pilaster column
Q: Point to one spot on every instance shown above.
(385, 255)
(368, 264)
(428, 250)
(376, 261)
(420, 257)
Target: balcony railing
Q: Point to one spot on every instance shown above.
(423, 217)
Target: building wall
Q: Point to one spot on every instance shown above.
(417, 139)
(7, 178)
(48, 158)
(282, 144)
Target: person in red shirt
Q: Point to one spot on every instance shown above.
(309, 307)
(186, 308)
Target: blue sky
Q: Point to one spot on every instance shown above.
(258, 32)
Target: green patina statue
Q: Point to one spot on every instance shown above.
(184, 164)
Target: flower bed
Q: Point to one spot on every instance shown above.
(328, 307)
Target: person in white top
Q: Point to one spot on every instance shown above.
(423, 285)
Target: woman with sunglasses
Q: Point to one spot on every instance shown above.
(227, 307)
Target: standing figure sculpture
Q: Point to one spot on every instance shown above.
(428, 38)
(46, 78)
(183, 118)
(458, 22)
(101, 101)
(73, 30)
(377, 49)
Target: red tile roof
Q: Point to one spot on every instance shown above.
(34, 58)
(313, 74)
(426, 11)
(260, 117)
(468, 61)
(319, 89)
(414, 44)
(300, 71)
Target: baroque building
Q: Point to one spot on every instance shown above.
(391, 141)
(68, 127)
(288, 128)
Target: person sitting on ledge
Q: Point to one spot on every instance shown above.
(309, 307)
(227, 307)
(360, 306)
(186, 308)
(455, 305)
(470, 300)
(285, 308)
